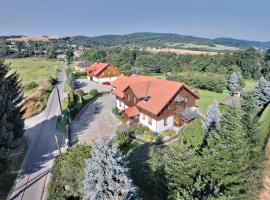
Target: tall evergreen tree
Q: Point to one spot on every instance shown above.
(213, 116)
(225, 159)
(262, 92)
(181, 168)
(106, 174)
(11, 122)
(234, 81)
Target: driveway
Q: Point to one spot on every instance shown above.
(87, 85)
(89, 126)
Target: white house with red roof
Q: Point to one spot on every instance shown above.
(102, 72)
(155, 103)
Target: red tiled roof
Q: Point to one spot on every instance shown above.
(160, 91)
(132, 111)
(96, 68)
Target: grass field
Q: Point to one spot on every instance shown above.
(208, 97)
(35, 75)
(34, 69)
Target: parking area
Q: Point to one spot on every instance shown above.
(90, 126)
(87, 85)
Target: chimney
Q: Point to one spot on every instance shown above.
(146, 97)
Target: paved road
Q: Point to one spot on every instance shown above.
(88, 126)
(31, 183)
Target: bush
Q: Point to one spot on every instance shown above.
(31, 85)
(170, 132)
(208, 81)
(193, 133)
(68, 174)
(94, 92)
(79, 74)
(117, 112)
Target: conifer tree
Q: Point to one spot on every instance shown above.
(181, 167)
(262, 92)
(251, 127)
(106, 174)
(226, 159)
(233, 83)
(213, 116)
(11, 122)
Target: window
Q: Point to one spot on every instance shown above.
(128, 97)
(143, 116)
(169, 106)
(134, 99)
(149, 120)
(165, 121)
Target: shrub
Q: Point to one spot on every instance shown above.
(68, 173)
(94, 92)
(170, 132)
(117, 112)
(193, 133)
(79, 74)
(31, 85)
(208, 81)
(159, 139)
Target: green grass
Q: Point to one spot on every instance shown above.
(33, 69)
(250, 84)
(67, 88)
(208, 97)
(265, 121)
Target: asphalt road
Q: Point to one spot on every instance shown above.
(32, 181)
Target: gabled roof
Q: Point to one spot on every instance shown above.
(132, 111)
(96, 68)
(159, 92)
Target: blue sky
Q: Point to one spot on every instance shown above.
(246, 19)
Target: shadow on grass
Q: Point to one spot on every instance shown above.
(147, 174)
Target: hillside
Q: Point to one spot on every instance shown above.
(167, 40)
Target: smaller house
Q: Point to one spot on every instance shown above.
(102, 72)
(233, 100)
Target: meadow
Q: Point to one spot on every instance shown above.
(35, 75)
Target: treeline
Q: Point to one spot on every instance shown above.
(19, 49)
(250, 62)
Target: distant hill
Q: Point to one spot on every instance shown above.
(167, 40)
(242, 43)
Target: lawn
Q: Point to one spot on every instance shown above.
(34, 69)
(35, 75)
(250, 84)
(208, 97)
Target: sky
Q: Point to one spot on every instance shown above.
(243, 19)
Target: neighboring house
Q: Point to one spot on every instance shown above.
(82, 66)
(233, 100)
(102, 72)
(155, 103)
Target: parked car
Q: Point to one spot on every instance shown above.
(106, 83)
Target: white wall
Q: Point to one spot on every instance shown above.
(101, 80)
(157, 126)
(121, 105)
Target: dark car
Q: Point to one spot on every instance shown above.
(106, 83)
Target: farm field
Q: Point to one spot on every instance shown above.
(35, 75)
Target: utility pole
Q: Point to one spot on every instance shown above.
(58, 146)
